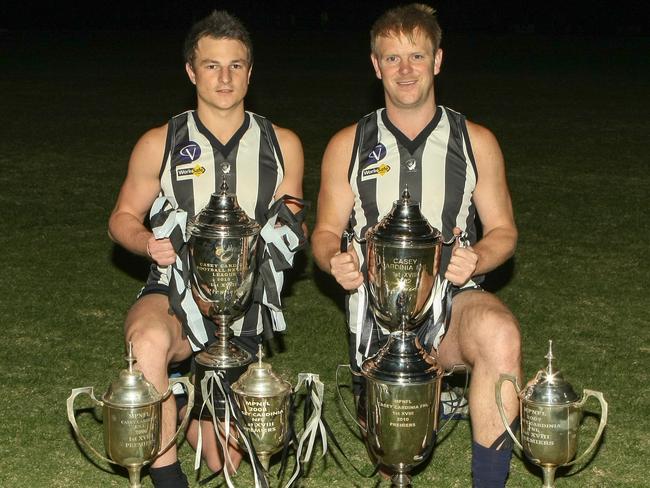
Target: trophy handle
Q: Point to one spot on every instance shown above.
(601, 426)
(189, 388)
(504, 419)
(338, 390)
(70, 404)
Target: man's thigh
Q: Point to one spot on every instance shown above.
(151, 317)
(479, 320)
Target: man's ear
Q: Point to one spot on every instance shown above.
(437, 61)
(375, 64)
(190, 73)
(250, 71)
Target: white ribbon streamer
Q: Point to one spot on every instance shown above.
(313, 426)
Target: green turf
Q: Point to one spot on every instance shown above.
(570, 116)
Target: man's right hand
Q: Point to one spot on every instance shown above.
(161, 251)
(344, 266)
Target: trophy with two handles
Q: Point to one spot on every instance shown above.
(403, 380)
(550, 416)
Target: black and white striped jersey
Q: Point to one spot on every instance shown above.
(194, 166)
(437, 166)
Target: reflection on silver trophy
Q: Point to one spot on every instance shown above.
(223, 261)
(403, 381)
(263, 398)
(551, 413)
(132, 419)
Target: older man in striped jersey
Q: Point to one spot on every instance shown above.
(456, 170)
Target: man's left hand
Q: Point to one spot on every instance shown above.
(462, 264)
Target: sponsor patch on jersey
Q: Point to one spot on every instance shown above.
(372, 172)
(189, 171)
(377, 154)
(189, 152)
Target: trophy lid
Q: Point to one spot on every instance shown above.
(222, 216)
(131, 388)
(402, 360)
(260, 381)
(404, 223)
(549, 386)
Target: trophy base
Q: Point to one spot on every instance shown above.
(400, 480)
(232, 361)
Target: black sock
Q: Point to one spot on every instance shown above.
(490, 467)
(170, 476)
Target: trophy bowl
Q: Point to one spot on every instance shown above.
(403, 399)
(403, 259)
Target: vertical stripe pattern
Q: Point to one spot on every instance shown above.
(437, 166)
(195, 164)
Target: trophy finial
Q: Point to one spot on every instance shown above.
(224, 185)
(550, 357)
(130, 358)
(260, 354)
(406, 195)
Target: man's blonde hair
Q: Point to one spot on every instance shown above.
(407, 19)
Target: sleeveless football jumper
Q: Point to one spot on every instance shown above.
(437, 166)
(194, 166)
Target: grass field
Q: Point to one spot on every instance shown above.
(569, 112)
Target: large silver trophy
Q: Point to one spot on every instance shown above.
(403, 380)
(550, 412)
(223, 260)
(132, 416)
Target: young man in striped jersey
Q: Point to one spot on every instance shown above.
(187, 159)
(455, 169)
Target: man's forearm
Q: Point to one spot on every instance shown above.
(130, 233)
(324, 245)
(494, 249)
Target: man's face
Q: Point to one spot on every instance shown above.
(406, 69)
(221, 72)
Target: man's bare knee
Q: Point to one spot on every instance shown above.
(156, 335)
(498, 337)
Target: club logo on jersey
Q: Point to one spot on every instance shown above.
(190, 152)
(377, 154)
(410, 164)
(189, 171)
(372, 172)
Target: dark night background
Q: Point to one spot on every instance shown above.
(597, 17)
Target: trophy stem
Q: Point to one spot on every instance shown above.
(134, 476)
(549, 476)
(223, 334)
(400, 480)
(265, 460)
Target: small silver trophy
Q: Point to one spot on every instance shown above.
(223, 260)
(550, 418)
(132, 411)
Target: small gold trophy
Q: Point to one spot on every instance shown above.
(132, 411)
(263, 398)
(550, 418)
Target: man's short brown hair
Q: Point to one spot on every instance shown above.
(407, 19)
(219, 25)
